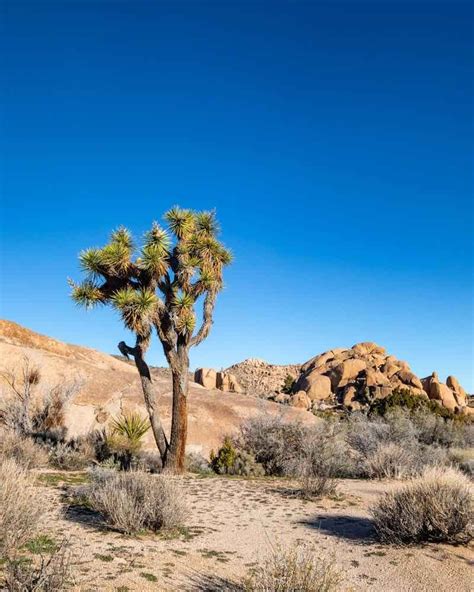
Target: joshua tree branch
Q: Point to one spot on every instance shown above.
(208, 309)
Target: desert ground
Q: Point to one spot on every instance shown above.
(233, 523)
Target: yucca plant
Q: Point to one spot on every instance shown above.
(155, 288)
(125, 436)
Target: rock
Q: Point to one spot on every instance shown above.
(316, 386)
(390, 368)
(346, 372)
(300, 400)
(459, 393)
(441, 392)
(376, 378)
(409, 379)
(367, 347)
(206, 377)
(227, 382)
(350, 393)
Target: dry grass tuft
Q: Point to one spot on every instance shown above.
(48, 573)
(296, 569)
(136, 501)
(24, 451)
(21, 506)
(438, 506)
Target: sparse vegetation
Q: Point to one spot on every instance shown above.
(21, 506)
(295, 569)
(437, 506)
(288, 384)
(135, 501)
(125, 438)
(47, 573)
(321, 458)
(232, 461)
(22, 450)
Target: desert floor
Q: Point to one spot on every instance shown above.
(233, 523)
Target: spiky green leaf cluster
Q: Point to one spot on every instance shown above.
(172, 269)
(87, 294)
(137, 307)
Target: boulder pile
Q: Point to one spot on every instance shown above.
(346, 378)
(260, 378)
(357, 376)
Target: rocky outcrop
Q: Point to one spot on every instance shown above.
(210, 379)
(259, 378)
(355, 377)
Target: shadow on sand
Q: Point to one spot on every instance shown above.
(351, 528)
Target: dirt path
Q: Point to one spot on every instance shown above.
(233, 523)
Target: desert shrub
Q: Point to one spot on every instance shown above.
(196, 463)
(271, 441)
(463, 459)
(230, 460)
(321, 457)
(20, 507)
(22, 450)
(405, 399)
(296, 569)
(48, 573)
(125, 438)
(434, 429)
(49, 414)
(391, 461)
(288, 384)
(438, 506)
(28, 411)
(135, 501)
(147, 461)
(71, 456)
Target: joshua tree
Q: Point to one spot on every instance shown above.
(157, 287)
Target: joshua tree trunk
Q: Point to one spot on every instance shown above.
(149, 395)
(179, 426)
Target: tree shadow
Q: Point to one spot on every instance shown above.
(84, 516)
(351, 528)
(201, 582)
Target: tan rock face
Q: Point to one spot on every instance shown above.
(367, 347)
(459, 393)
(317, 386)
(346, 372)
(441, 392)
(409, 379)
(227, 382)
(206, 377)
(300, 400)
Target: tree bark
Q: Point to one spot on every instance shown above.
(150, 397)
(179, 426)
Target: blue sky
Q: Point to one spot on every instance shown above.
(334, 139)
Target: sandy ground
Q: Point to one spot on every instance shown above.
(233, 523)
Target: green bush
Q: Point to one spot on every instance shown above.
(231, 461)
(404, 398)
(288, 385)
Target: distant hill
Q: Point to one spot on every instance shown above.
(110, 384)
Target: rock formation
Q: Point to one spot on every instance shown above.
(350, 378)
(357, 376)
(259, 378)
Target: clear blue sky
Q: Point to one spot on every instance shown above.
(335, 141)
